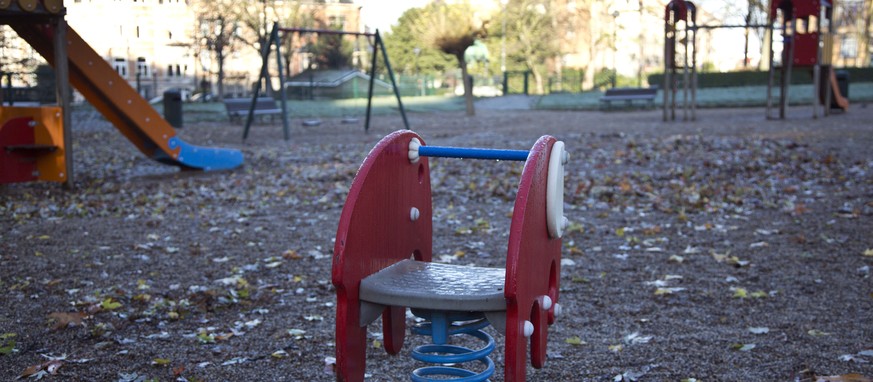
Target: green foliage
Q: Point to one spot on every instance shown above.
(333, 51)
(450, 28)
(409, 53)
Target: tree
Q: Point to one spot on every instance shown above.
(332, 51)
(258, 18)
(218, 29)
(409, 52)
(452, 29)
(535, 27)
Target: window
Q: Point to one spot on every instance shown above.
(142, 67)
(170, 70)
(120, 66)
(849, 47)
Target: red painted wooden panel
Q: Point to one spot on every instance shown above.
(375, 231)
(532, 263)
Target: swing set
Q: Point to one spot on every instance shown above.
(274, 40)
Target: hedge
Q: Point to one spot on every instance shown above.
(755, 78)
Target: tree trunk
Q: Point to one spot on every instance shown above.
(864, 43)
(746, 38)
(219, 56)
(538, 77)
(468, 85)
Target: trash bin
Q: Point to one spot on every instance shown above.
(173, 107)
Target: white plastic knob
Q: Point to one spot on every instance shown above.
(528, 328)
(558, 309)
(547, 303)
(414, 144)
(414, 214)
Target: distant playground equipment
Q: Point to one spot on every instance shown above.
(41, 135)
(382, 265)
(680, 67)
(275, 41)
(807, 42)
(680, 25)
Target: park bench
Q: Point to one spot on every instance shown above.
(628, 95)
(238, 108)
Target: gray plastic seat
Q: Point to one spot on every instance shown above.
(432, 286)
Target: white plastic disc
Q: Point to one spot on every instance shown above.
(555, 191)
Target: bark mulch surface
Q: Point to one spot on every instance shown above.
(732, 248)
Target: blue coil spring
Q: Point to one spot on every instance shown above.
(446, 355)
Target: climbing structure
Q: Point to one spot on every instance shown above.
(807, 43)
(680, 27)
(42, 25)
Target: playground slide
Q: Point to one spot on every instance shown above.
(132, 115)
(837, 97)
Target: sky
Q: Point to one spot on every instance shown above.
(383, 13)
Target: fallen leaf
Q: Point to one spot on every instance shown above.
(109, 304)
(843, 378)
(234, 361)
(852, 358)
(39, 371)
(330, 365)
(63, 319)
(740, 293)
(817, 333)
(868, 252)
(279, 354)
(575, 341)
(377, 344)
(616, 348)
(759, 330)
(635, 338)
(291, 255)
(160, 362)
(743, 347)
(759, 244)
(8, 344)
(666, 291)
(758, 294)
(296, 333)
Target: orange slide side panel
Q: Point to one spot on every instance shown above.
(48, 132)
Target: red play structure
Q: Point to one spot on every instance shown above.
(805, 26)
(382, 265)
(807, 42)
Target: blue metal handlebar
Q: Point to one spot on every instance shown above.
(472, 153)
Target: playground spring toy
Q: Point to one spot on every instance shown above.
(382, 265)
